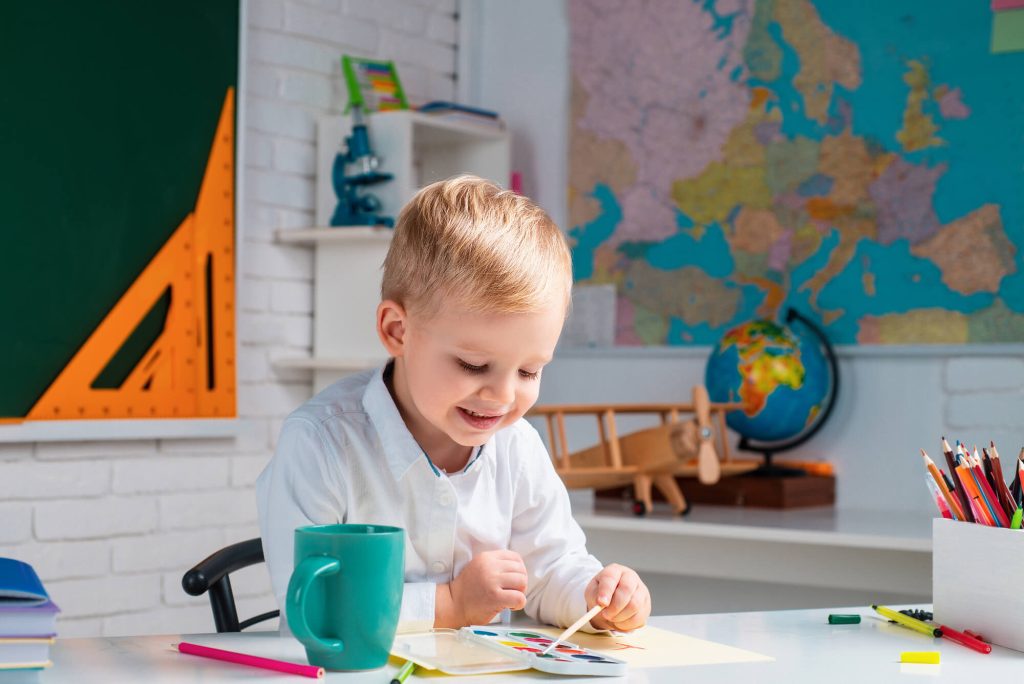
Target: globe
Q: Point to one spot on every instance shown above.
(786, 381)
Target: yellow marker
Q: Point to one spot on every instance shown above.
(922, 657)
(907, 621)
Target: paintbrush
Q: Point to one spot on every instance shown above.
(571, 629)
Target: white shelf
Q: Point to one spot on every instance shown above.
(342, 234)
(453, 130)
(95, 430)
(830, 549)
(827, 526)
(335, 364)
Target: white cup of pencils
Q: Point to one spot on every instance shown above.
(975, 489)
(977, 545)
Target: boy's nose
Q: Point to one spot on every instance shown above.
(500, 390)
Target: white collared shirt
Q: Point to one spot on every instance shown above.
(346, 456)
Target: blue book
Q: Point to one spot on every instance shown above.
(442, 106)
(19, 584)
(26, 610)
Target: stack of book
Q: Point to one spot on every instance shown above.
(28, 622)
(458, 112)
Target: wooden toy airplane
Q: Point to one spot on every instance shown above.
(653, 456)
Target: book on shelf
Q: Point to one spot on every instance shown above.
(28, 621)
(452, 111)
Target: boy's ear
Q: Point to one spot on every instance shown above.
(391, 324)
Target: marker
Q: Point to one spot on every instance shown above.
(907, 621)
(404, 673)
(837, 619)
(1017, 515)
(965, 639)
(923, 657)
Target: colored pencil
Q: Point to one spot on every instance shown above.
(990, 496)
(951, 503)
(977, 478)
(958, 490)
(940, 503)
(1009, 505)
(311, 671)
(1020, 483)
(1015, 486)
(973, 496)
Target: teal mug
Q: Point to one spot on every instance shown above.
(345, 594)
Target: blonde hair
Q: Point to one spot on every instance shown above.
(466, 238)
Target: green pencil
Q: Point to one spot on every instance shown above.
(1017, 514)
(404, 673)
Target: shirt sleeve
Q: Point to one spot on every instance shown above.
(417, 607)
(302, 485)
(545, 534)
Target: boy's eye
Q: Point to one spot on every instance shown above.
(528, 375)
(470, 368)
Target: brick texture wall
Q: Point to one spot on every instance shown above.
(112, 526)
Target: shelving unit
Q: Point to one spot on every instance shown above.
(418, 149)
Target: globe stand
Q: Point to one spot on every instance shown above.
(769, 469)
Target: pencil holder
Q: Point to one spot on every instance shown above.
(976, 580)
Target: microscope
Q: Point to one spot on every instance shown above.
(356, 207)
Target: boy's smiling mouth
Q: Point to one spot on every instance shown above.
(480, 421)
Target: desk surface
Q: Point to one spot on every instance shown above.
(805, 648)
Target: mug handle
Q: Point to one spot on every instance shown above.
(298, 589)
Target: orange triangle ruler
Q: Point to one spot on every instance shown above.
(189, 371)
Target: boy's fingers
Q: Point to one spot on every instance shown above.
(510, 566)
(513, 580)
(607, 581)
(516, 600)
(635, 621)
(622, 596)
(506, 554)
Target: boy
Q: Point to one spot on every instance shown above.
(475, 290)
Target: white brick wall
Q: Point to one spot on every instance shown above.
(112, 526)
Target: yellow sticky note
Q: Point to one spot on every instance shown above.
(923, 657)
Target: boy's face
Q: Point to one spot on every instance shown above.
(467, 375)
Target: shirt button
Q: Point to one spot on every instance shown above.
(445, 499)
(438, 567)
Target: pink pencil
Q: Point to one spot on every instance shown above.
(252, 661)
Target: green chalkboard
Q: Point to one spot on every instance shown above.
(107, 113)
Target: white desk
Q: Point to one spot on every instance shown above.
(731, 558)
(805, 648)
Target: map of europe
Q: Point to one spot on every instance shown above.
(861, 162)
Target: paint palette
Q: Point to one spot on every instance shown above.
(566, 658)
(485, 649)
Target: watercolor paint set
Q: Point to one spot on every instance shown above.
(485, 649)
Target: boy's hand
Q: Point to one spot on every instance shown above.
(491, 582)
(625, 597)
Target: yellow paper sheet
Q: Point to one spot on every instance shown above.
(654, 647)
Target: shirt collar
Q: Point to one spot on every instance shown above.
(400, 448)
